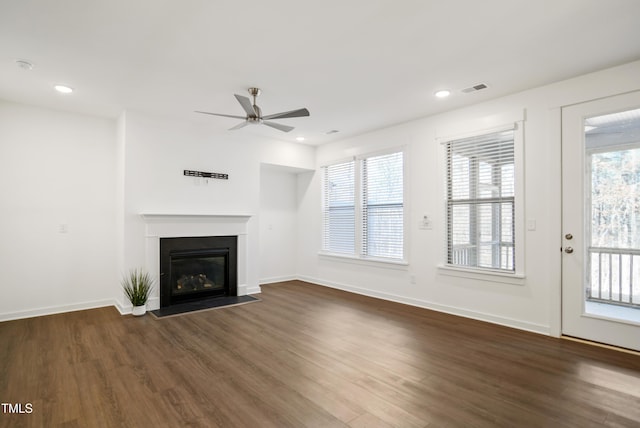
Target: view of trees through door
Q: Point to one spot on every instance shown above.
(613, 161)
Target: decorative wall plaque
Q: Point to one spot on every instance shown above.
(202, 174)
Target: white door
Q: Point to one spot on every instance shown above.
(601, 220)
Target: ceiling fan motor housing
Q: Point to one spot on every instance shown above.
(258, 115)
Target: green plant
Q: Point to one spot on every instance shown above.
(137, 286)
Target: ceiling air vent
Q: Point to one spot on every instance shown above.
(474, 88)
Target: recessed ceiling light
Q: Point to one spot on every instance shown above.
(64, 89)
(301, 139)
(444, 93)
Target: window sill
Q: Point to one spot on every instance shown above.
(482, 275)
(371, 261)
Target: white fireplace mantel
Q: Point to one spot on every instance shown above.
(153, 217)
(165, 225)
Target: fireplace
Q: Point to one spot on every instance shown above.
(195, 268)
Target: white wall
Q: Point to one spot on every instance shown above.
(533, 305)
(278, 224)
(57, 172)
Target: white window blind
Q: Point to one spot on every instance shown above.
(481, 202)
(339, 208)
(382, 206)
(363, 207)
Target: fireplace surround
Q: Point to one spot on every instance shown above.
(171, 225)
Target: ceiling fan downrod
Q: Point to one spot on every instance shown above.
(255, 120)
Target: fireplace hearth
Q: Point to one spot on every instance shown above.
(196, 268)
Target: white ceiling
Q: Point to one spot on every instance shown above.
(357, 65)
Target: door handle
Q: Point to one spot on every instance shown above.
(568, 250)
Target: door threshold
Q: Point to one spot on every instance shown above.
(601, 345)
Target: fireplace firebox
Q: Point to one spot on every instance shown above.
(194, 268)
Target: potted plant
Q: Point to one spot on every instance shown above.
(137, 287)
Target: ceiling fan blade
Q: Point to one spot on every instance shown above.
(219, 114)
(246, 105)
(278, 126)
(286, 114)
(240, 125)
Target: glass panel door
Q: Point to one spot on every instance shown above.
(601, 220)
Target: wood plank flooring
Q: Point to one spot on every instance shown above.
(307, 356)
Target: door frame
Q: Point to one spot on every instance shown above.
(619, 102)
(555, 137)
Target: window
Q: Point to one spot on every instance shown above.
(363, 207)
(481, 202)
(382, 206)
(339, 208)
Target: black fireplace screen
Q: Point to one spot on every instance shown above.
(193, 268)
(194, 273)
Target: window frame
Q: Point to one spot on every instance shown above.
(359, 255)
(482, 273)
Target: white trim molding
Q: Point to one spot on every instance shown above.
(480, 316)
(52, 310)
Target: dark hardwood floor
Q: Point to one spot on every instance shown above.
(306, 356)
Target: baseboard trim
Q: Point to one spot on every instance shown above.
(275, 279)
(480, 316)
(125, 309)
(249, 289)
(52, 310)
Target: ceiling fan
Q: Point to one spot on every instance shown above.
(254, 113)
